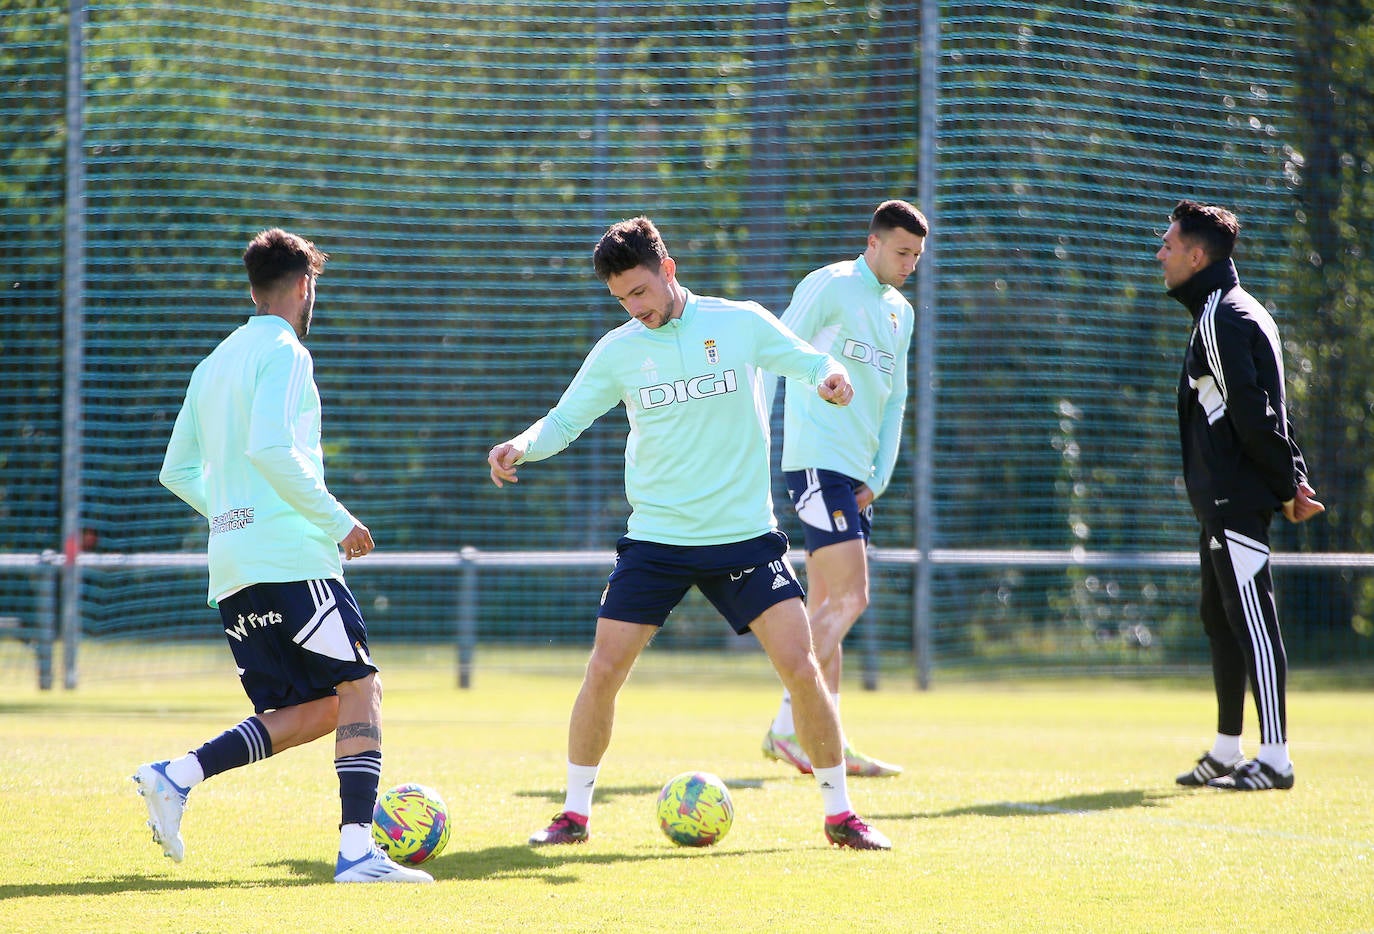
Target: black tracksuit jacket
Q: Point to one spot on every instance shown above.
(1238, 450)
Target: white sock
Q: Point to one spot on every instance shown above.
(782, 723)
(1275, 755)
(1226, 748)
(834, 791)
(354, 840)
(186, 771)
(581, 784)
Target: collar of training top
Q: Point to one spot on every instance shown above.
(1193, 293)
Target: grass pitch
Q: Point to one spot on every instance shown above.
(1025, 807)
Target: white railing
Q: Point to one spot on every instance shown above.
(468, 563)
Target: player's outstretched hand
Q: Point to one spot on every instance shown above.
(357, 542)
(502, 459)
(1302, 506)
(836, 389)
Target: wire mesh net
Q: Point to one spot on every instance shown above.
(458, 162)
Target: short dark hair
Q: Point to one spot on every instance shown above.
(630, 243)
(1215, 228)
(274, 254)
(893, 214)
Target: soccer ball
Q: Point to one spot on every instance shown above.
(694, 809)
(410, 823)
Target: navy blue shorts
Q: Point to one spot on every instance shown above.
(741, 579)
(294, 642)
(825, 503)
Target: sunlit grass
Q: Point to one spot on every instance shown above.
(1026, 806)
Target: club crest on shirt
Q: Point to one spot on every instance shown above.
(892, 316)
(711, 356)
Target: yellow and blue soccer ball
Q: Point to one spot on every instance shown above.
(410, 823)
(694, 809)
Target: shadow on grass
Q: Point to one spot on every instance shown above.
(558, 865)
(130, 882)
(555, 865)
(606, 793)
(1069, 804)
(551, 865)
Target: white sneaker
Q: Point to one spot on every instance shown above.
(376, 866)
(785, 747)
(166, 802)
(856, 763)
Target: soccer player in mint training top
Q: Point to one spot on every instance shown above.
(1240, 466)
(245, 453)
(689, 371)
(838, 461)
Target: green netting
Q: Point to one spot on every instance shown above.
(1067, 133)
(458, 161)
(32, 103)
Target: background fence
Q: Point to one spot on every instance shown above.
(459, 160)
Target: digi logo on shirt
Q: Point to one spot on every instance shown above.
(866, 353)
(681, 390)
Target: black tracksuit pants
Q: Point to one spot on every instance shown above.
(1242, 624)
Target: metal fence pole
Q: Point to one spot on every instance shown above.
(868, 638)
(45, 608)
(925, 344)
(467, 615)
(73, 302)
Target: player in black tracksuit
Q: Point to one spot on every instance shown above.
(1240, 465)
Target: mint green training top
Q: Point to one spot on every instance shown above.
(245, 453)
(696, 458)
(844, 310)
